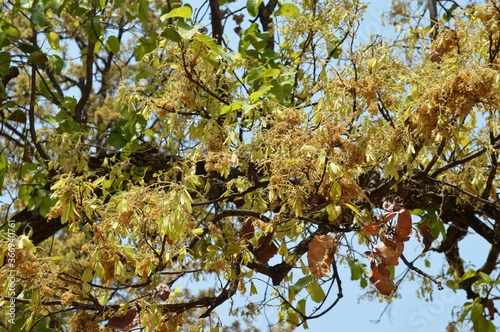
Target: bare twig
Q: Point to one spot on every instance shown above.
(422, 273)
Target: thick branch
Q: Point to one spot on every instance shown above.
(461, 161)
(265, 12)
(433, 15)
(217, 29)
(87, 89)
(31, 112)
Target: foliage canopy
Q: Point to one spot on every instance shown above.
(150, 145)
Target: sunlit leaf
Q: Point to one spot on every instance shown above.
(316, 292)
(186, 31)
(56, 63)
(287, 10)
(253, 7)
(182, 12)
(53, 39)
(25, 242)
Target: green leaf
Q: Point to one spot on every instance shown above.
(258, 74)
(234, 106)
(4, 166)
(46, 204)
(186, 31)
(333, 211)
(300, 284)
(292, 318)
(4, 63)
(38, 14)
(484, 277)
(26, 4)
(93, 28)
(145, 46)
(253, 289)
(25, 242)
(113, 44)
(53, 39)
(301, 306)
(56, 5)
(254, 97)
(18, 116)
(117, 140)
(316, 292)
(468, 274)
(357, 270)
(171, 34)
(333, 47)
(288, 10)
(119, 268)
(182, 12)
(452, 284)
(479, 322)
(87, 275)
(253, 7)
(82, 7)
(144, 10)
(28, 48)
(56, 63)
(211, 44)
(37, 58)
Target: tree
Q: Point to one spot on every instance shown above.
(236, 143)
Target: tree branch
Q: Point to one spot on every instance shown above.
(217, 28)
(89, 66)
(433, 16)
(31, 111)
(265, 12)
(462, 161)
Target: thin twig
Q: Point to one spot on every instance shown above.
(422, 273)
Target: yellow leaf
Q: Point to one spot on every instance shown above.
(53, 39)
(197, 231)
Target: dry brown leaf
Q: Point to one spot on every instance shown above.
(490, 306)
(247, 229)
(265, 251)
(403, 227)
(388, 216)
(162, 290)
(392, 204)
(127, 321)
(388, 255)
(372, 229)
(370, 256)
(427, 237)
(380, 277)
(320, 255)
(389, 242)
